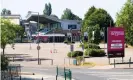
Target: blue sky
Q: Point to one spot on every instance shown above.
(78, 7)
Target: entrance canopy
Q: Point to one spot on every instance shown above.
(43, 19)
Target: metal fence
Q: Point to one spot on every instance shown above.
(66, 73)
(123, 62)
(13, 71)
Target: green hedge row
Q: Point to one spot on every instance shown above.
(91, 46)
(75, 54)
(95, 53)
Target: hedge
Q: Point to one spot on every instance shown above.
(91, 46)
(95, 53)
(75, 54)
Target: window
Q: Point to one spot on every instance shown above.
(72, 26)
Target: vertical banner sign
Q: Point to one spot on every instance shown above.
(71, 48)
(116, 40)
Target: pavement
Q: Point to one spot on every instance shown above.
(60, 58)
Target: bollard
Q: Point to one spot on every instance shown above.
(70, 74)
(42, 78)
(20, 77)
(51, 62)
(40, 61)
(13, 59)
(57, 70)
(56, 77)
(65, 75)
(130, 62)
(114, 63)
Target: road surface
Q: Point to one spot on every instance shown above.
(88, 74)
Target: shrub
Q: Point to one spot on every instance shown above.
(94, 46)
(75, 54)
(4, 62)
(95, 52)
(66, 41)
(79, 59)
(90, 45)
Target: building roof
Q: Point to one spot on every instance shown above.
(12, 16)
(44, 19)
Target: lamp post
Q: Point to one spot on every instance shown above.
(38, 47)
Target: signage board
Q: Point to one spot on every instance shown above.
(116, 40)
(71, 48)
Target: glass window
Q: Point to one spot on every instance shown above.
(72, 26)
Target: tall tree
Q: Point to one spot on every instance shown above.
(48, 9)
(6, 12)
(69, 15)
(125, 19)
(99, 17)
(8, 33)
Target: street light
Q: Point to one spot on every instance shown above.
(38, 47)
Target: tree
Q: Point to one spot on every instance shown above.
(48, 9)
(69, 15)
(5, 12)
(20, 31)
(125, 20)
(8, 33)
(4, 62)
(99, 17)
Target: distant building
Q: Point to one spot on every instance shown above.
(63, 27)
(16, 19)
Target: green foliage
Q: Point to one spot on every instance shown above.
(79, 59)
(90, 46)
(69, 15)
(48, 9)
(95, 52)
(125, 20)
(96, 18)
(4, 62)
(75, 54)
(5, 12)
(8, 33)
(93, 46)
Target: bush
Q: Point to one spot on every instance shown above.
(95, 52)
(91, 46)
(94, 46)
(75, 54)
(4, 62)
(66, 41)
(79, 59)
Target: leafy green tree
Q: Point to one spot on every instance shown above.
(48, 9)
(4, 62)
(19, 31)
(99, 17)
(8, 33)
(125, 20)
(69, 15)
(6, 12)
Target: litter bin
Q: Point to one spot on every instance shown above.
(74, 62)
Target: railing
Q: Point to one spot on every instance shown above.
(66, 73)
(129, 62)
(12, 72)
